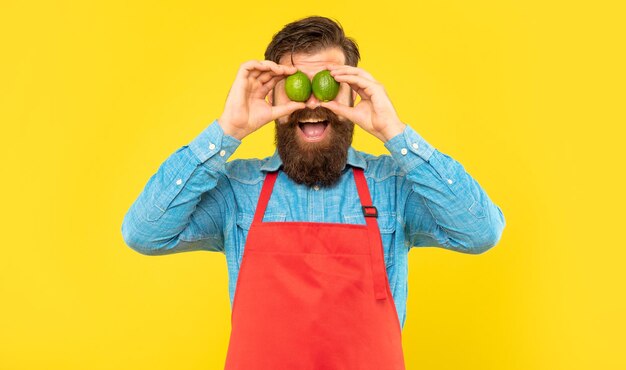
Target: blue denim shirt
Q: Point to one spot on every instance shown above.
(198, 201)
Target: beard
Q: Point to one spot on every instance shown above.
(314, 163)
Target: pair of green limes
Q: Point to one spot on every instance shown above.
(324, 86)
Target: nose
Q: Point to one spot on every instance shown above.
(313, 102)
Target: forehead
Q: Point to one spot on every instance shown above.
(314, 62)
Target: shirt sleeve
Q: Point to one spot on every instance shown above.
(445, 207)
(166, 217)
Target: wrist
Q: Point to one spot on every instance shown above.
(392, 130)
(230, 129)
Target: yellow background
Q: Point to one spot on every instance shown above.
(527, 95)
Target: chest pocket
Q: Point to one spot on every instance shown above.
(244, 221)
(386, 225)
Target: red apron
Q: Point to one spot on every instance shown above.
(314, 296)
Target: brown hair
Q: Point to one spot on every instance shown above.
(312, 34)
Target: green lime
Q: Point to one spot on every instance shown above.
(298, 86)
(325, 87)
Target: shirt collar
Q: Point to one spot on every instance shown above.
(355, 159)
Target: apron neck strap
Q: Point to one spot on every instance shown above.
(361, 187)
(266, 192)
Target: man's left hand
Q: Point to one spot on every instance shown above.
(374, 113)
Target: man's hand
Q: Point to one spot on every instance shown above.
(374, 113)
(246, 109)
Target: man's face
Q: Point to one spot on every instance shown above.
(313, 142)
(310, 64)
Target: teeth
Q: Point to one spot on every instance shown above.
(312, 121)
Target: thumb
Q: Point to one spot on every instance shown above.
(286, 109)
(339, 109)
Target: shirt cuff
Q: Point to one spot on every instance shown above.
(409, 149)
(213, 147)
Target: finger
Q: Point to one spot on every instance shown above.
(255, 73)
(349, 70)
(290, 69)
(268, 82)
(280, 68)
(265, 69)
(274, 70)
(363, 86)
(339, 109)
(268, 86)
(357, 90)
(286, 109)
(272, 83)
(253, 68)
(266, 76)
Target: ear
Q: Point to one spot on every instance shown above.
(270, 97)
(353, 95)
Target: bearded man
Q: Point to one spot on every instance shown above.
(316, 236)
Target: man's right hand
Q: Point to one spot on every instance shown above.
(246, 109)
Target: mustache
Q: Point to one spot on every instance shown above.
(319, 113)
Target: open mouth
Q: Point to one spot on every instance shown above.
(313, 130)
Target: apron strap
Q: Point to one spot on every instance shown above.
(377, 256)
(264, 198)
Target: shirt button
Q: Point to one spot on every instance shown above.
(415, 146)
(222, 153)
(316, 188)
(449, 181)
(211, 146)
(403, 151)
(179, 181)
